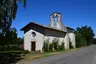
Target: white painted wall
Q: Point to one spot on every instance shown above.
(28, 38)
(51, 38)
(72, 38)
(64, 39)
(39, 39)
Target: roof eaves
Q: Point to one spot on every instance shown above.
(41, 26)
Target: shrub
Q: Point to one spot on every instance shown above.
(61, 47)
(80, 41)
(46, 45)
(55, 43)
(25, 51)
(70, 45)
(51, 47)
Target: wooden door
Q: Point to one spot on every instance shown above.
(33, 46)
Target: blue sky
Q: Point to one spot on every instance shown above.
(75, 13)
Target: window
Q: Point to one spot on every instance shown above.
(55, 19)
(33, 34)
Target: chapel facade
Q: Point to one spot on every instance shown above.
(35, 34)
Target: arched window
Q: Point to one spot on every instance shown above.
(33, 34)
(55, 19)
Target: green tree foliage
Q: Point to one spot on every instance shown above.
(20, 41)
(8, 10)
(80, 41)
(9, 40)
(11, 36)
(87, 33)
(94, 40)
(84, 36)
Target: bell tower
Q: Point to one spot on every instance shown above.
(56, 22)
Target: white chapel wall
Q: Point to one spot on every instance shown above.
(63, 39)
(72, 39)
(28, 38)
(51, 34)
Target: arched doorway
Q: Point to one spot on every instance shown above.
(33, 46)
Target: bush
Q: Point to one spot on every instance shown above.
(61, 47)
(54, 46)
(80, 41)
(70, 45)
(25, 51)
(46, 45)
(55, 43)
(51, 47)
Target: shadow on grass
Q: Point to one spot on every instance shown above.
(10, 57)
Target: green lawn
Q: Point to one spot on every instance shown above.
(36, 55)
(11, 57)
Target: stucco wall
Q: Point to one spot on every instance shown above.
(51, 38)
(72, 39)
(62, 36)
(64, 39)
(28, 38)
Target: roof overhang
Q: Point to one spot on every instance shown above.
(33, 23)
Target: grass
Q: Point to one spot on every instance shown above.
(11, 57)
(11, 51)
(36, 55)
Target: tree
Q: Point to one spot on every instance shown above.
(94, 40)
(87, 33)
(8, 10)
(9, 40)
(80, 41)
(19, 41)
(11, 36)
